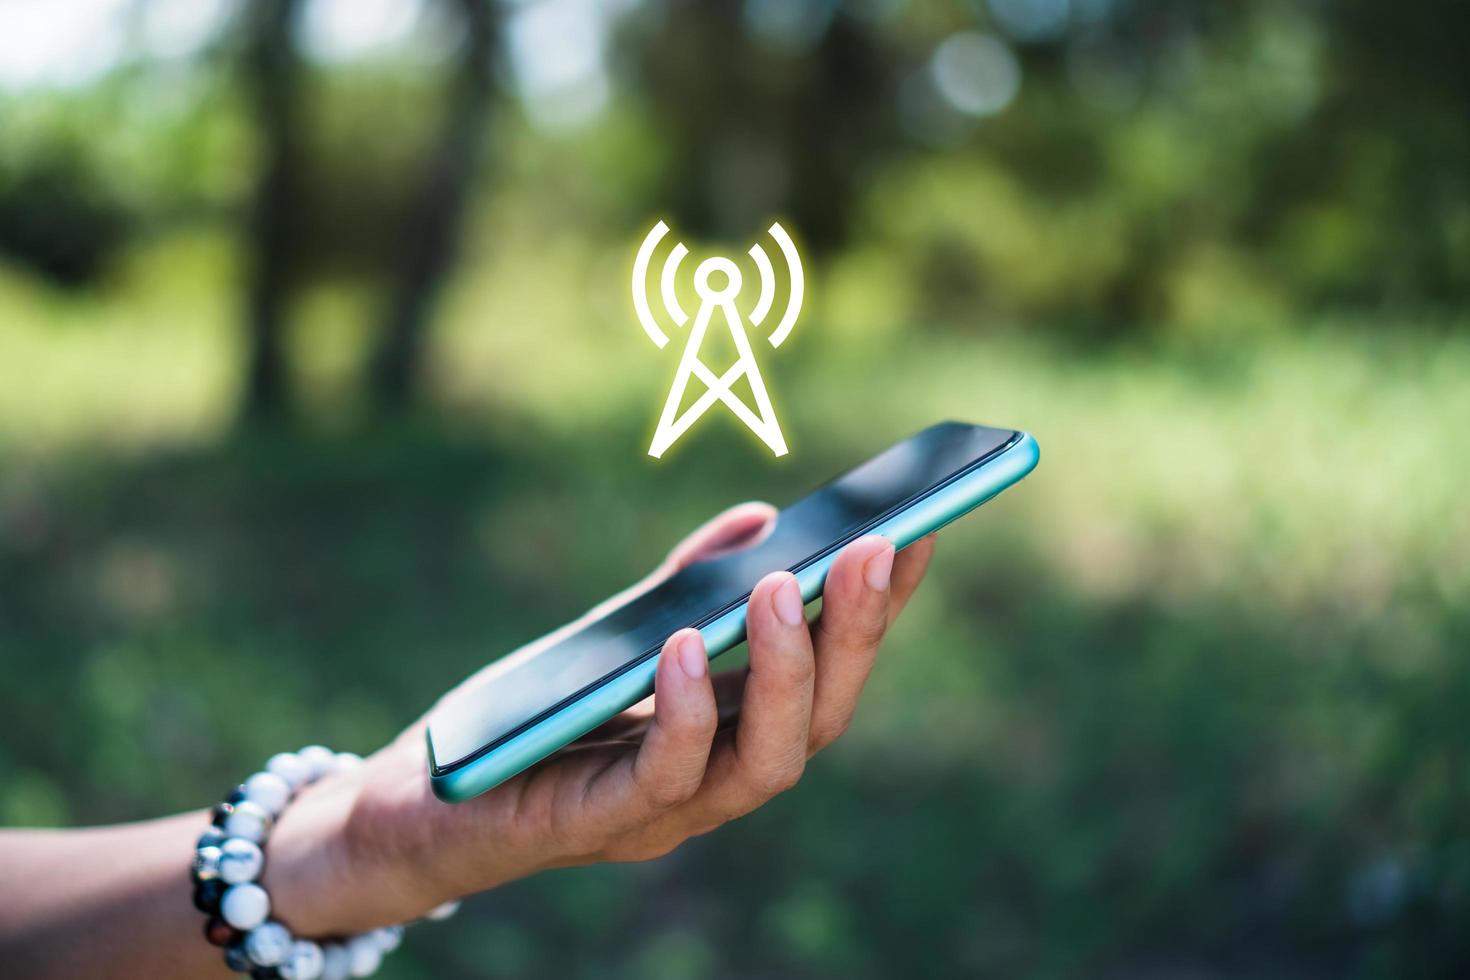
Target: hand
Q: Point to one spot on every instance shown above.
(374, 846)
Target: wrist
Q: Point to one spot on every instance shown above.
(349, 855)
(306, 870)
(302, 912)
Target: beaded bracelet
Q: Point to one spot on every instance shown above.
(228, 861)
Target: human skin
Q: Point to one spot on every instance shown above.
(372, 846)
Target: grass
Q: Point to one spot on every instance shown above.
(1188, 702)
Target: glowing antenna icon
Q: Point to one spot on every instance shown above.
(717, 283)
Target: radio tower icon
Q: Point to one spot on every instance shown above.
(717, 283)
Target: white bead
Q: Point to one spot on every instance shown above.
(366, 957)
(288, 766)
(268, 945)
(345, 761)
(389, 938)
(240, 860)
(336, 962)
(318, 760)
(305, 962)
(248, 820)
(269, 791)
(244, 906)
(441, 912)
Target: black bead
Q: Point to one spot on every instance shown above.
(236, 959)
(213, 837)
(206, 864)
(221, 813)
(265, 973)
(236, 795)
(221, 933)
(207, 895)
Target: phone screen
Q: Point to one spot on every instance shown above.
(505, 702)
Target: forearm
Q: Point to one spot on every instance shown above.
(104, 902)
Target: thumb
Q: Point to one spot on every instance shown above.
(742, 526)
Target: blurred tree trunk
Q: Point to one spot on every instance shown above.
(431, 234)
(274, 76)
(807, 127)
(837, 131)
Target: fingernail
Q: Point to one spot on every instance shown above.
(691, 656)
(787, 601)
(878, 569)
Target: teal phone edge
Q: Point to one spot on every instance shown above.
(924, 515)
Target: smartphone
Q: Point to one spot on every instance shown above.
(533, 702)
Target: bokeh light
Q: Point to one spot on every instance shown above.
(61, 44)
(976, 73)
(173, 29)
(556, 51)
(346, 30)
(1031, 20)
(793, 24)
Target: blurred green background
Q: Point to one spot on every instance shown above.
(320, 386)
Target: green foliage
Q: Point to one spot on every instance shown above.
(1165, 168)
(85, 174)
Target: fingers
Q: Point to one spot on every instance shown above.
(776, 706)
(909, 567)
(766, 753)
(739, 527)
(799, 692)
(855, 615)
(669, 766)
